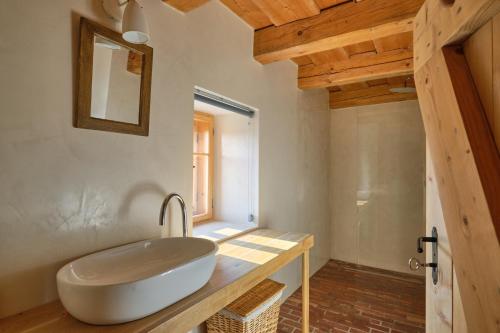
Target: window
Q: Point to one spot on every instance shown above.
(225, 166)
(203, 165)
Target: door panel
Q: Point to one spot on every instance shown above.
(439, 297)
(444, 308)
(459, 324)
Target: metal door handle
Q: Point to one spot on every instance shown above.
(420, 240)
(415, 264)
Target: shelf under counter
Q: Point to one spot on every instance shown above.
(242, 263)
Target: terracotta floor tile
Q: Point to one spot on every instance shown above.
(357, 299)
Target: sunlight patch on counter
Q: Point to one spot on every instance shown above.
(255, 256)
(268, 241)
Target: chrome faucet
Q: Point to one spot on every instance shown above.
(184, 214)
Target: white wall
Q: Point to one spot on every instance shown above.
(67, 192)
(232, 164)
(377, 184)
(294, 190)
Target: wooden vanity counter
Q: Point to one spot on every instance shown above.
(242, 263)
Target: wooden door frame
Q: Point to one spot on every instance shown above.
(210, 120)
(463, 150)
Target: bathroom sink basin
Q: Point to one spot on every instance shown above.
(135, 280)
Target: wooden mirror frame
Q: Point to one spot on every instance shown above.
(83, 118)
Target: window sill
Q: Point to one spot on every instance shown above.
(219, 231)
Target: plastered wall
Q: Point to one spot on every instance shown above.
(233, 160)
(377, 184)
(67, 192)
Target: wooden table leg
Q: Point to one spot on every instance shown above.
(305, 292)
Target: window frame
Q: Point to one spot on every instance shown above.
(209, 119)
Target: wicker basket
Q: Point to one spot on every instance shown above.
(257, 311)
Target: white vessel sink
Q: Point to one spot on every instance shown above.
(135, 280)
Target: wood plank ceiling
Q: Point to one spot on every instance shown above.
(357, 49)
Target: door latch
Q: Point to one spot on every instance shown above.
(415, 264)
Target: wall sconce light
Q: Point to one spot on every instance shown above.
(135, 28)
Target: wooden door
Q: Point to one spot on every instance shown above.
(439, 297)
(458, 96)
(443, 305)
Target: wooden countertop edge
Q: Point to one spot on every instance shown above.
(164, 321)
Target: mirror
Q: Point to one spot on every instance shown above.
(115, 82)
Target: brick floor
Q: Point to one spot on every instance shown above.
(351, 298)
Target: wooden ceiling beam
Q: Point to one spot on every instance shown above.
(334, 66)
(341, 95)
(356, 69)
(401, 41)
(329, 56)
(339, 26)
(371, 99)
(323, 4)
(285, 11)
(379, 90)
(372, 92)
(185, 5)
(249, 12)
